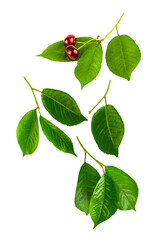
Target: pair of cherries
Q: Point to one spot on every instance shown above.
(71, 51)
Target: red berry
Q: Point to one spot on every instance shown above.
(72, 52)
(69, 40)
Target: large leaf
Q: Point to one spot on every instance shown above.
(107, 129)
(87, 180)
(126, 188)
(56, 136)
(89, 64)
(62, 107)
(56, 51)
(103, 203)
(28, 132)
(122, 56)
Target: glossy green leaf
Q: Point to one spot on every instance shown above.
(62, 107)
(126, 188)
(56, 51)
(28, 132)
(122, 56)
(107, 129)
(89, 64)
(103, 203)
(87, 180)
(56, 136)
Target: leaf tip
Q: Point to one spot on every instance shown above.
(85, 119)
(74, 154)
(82, 87)
(39, 55)
(95, 225)
(116, 153)
(24, 154)
(128, 77)
(134, 209)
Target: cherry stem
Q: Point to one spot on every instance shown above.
(85, 42)
(88, 42)
(112, 29)
(38, 108)
(101, 164)
(104, 97)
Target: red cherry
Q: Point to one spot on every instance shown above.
(72, 52)
(69, 40)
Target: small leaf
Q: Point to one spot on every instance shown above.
(56, 136)
(122, 56)
(56, 51)
(89, 64)
(28, 132)
(87, 180)
(62, 107)
(107, 129)
(103, 203)
(126, 188)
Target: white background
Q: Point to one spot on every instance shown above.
(37, 191)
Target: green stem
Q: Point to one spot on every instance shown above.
(88, 42)
(33, 95)
(112, 28)
(104, 97)
(101, 164)
(99, 41)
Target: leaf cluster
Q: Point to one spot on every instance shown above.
(63, 108)
(102, 196)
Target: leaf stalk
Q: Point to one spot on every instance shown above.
(104, 97)
(36, 90)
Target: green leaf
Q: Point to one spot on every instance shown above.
(122, 56)
(89, 64)
(103, 203)
(87, 180)
(56, 51)
(28, 132)
(107, 129)
(126, 188)
(62, 107)
(56, 136)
